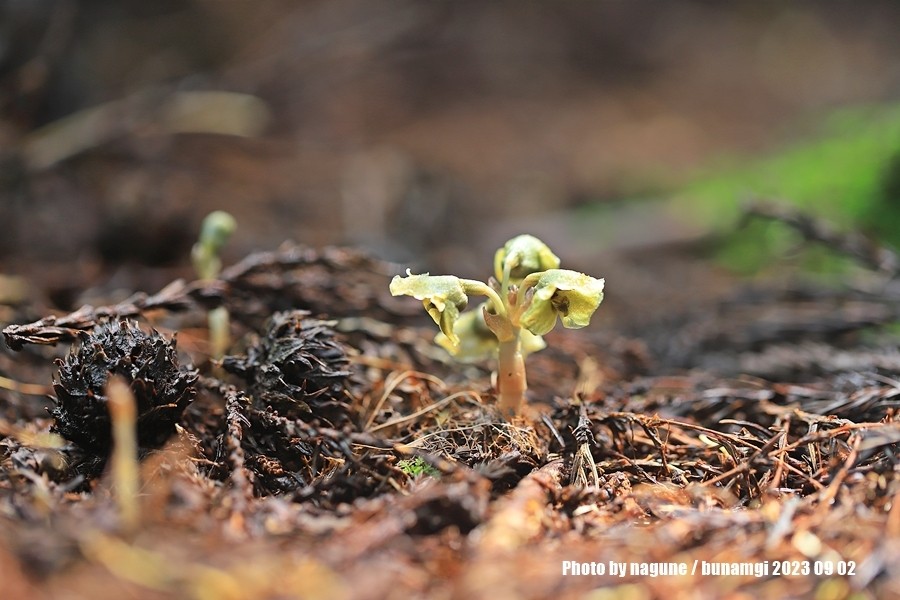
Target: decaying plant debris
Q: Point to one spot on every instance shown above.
(150, 366)
(289, 473)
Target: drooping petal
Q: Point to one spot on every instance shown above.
(478, 343)
(540, 316)
(569, 295)
(531, 343)
(475, 342)
(525, 255)
(442, 296)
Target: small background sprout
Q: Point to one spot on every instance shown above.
(524, 303)
(214, 233)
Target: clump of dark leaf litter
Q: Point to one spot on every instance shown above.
(296, 374)
(147, 361)
(296, 368)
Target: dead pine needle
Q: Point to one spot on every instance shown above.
(827, 496)
(472, 396)
(392, 381)
(124, 459)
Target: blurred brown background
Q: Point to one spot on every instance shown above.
(427, 131)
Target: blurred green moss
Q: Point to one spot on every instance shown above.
(849, 175)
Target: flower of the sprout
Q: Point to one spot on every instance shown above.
(478, 343)
(530, 342)
(524, 255)
(475, 342)
(569, 295)
(442, 295)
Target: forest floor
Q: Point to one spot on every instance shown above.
(382, 469)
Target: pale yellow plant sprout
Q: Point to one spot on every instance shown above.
(527, 297)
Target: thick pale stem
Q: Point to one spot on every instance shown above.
(511, 381)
